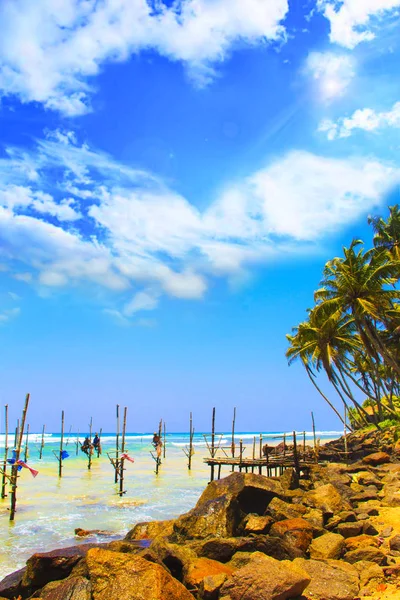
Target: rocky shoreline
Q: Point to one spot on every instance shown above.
(319, 537)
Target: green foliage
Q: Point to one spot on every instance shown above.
(352, 334)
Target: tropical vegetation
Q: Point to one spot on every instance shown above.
(352, 333)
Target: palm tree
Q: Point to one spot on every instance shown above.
(387, 233)
(358, 284)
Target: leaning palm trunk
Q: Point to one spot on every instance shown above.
(310, 375)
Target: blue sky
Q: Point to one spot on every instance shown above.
(173, 177)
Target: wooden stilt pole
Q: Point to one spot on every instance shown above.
(117, 448)
(90, 449)
(212, 442)
(42, 443)
(240, 454)
(60, 459)
(98, 449)
(233, 433)
(121, 462)
(314, 437)
(304, 445)
(77, 443)
(164, 437)
(16, 434)
(4, 476)
(284, 444)
(26, 454)
(295, 455)
(14, 468)
(191, 433)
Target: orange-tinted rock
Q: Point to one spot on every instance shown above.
(201, 568)
(150, 530)
(296, 533)
(377, 458)
(118, 576)
(360, 541)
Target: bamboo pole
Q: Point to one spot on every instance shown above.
(304, 445)
(77, 443)
(60, 460)
(90, 449)
(314, 437)
(42, 443)
(4, 476)
(295, 455)
(117, 448)
(212, 442)
(254, 447)
(233, 433)
(16, 434)
(14, 468)
(121, 469)
(99, 446)
(261, 444)
(26, 444)
(164, 439)
(190, 443)
(240, 454)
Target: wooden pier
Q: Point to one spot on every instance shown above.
(271, 466)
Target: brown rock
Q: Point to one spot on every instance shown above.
(241, 559)
(371, 575)
(150, 530)
(296, 534)
(174, 557)
(369, 528)
(360, 541)
(327, 499)
(369, 553)
(50, 566)
(267, 579)
(280, 510)
(330, 579)
(211, 585)
(329, 545)
(124, 546)
(224, 503)
(349, 529)
(256, 524)
(93, 532)
(72, 588)
(377, 458)
(201, 568)
(316, 518)
(223, 549)
(11, 585)
(118, 576)
(367, 478)
(394, 543)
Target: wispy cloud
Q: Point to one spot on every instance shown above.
(7, 315)
(365, 119)
(137, 234)
(355, 21)
(50, 51)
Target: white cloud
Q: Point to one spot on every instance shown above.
(49, 51)
(25, 277)
(354, 21)
(332, 73)
(9, 314)
(140, 234)
(365, 119)
(144, 300)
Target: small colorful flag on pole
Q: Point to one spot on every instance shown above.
(127, 457)
(23, 464)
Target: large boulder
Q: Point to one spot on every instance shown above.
(150, 530)
(224, 503)
(11, 585)
(72, 588)
(369, 553)
(210, 586)
(327, 499)
(266, 578)
(118, 576)
(330, 579)
(256, 524)
(296, 535)
(329, 545)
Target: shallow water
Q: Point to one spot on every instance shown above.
(49, 508)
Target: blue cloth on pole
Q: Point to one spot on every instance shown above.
(64, 454)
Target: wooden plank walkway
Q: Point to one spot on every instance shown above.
(272, 466)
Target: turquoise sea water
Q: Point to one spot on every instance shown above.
(50, 508)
